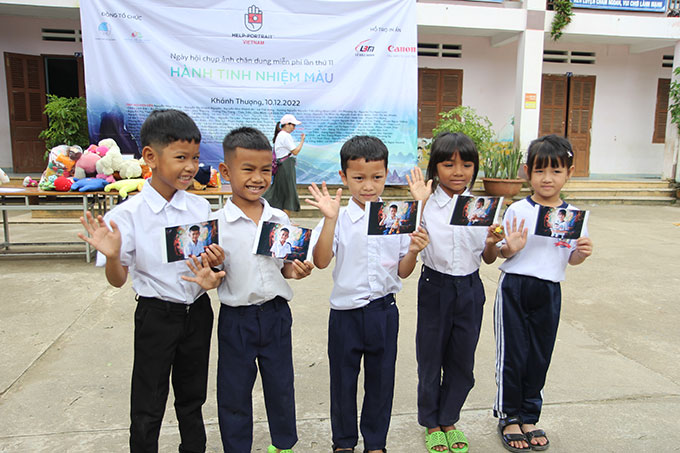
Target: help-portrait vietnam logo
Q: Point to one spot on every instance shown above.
(253, 18)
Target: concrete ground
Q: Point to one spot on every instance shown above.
(614, 384)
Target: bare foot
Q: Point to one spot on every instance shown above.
(438, 447)
(527, 427)
(515, 429)
(457, 446)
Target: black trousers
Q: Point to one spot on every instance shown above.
(526, 317)
(449, 320)
(251, 337)
(170, 338)
(369, 332)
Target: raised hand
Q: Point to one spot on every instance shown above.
(106, 240)
(329, 206)
(204, 275)
(297, 269)
(515, 238)
(419, 240)
(416, 184)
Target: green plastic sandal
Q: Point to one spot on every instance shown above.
(272, 449)
(435, 439)
(454, 437)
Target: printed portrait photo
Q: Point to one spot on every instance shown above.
(393, 217)
(475, 211)
(183, 241)
(281, 241)
(560, 223)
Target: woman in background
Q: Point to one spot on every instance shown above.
(283, 192)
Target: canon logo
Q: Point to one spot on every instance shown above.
(401, 49)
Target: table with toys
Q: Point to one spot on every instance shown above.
(96, 180)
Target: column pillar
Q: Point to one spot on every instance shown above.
(671, 169)
(529, 74)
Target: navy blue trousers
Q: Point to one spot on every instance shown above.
(250, 337)
(369, 332)
(526, 317)
(449, 320)
(170, 338)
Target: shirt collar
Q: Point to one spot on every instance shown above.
(233, 212)
(354, 210)
(533, 203)
(156, 201)
(442, 198)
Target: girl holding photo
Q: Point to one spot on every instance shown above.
(450, 292)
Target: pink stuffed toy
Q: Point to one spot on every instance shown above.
(87, 165)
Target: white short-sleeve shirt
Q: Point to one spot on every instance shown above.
(542, 257)
(250, 279)
(142, 220)
(284, 144)
(281, 250)
(366, 267)
(453, 250)
(192, 248)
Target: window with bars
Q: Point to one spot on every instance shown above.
(61, 34)
(568, 56)
(440, 50)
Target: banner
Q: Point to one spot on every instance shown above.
(343, 68)
(625, 5)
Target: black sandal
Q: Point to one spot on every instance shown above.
(534, 434)
(507, 438)
(346, 449)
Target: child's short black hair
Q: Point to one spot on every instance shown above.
(195, 228)
(285, 229)
(362, 147)
(550, 150)
(444, 146)
(393, 206)
(163, 127)
(562, 211)
(246, 138)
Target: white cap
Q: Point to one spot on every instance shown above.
(288, 119)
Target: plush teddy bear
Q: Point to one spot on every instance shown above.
(130, 169)
(86, 165)
(109, 164)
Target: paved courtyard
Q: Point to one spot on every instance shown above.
(614, 384)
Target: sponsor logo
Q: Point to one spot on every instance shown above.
(364, 49)
(401, 49)
(104, 29)
(136, 35)
(253, 18)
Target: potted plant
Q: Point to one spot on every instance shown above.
(499, 161)
(67, 122)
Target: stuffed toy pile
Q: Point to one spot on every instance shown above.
(103, 167)
(100, 167)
